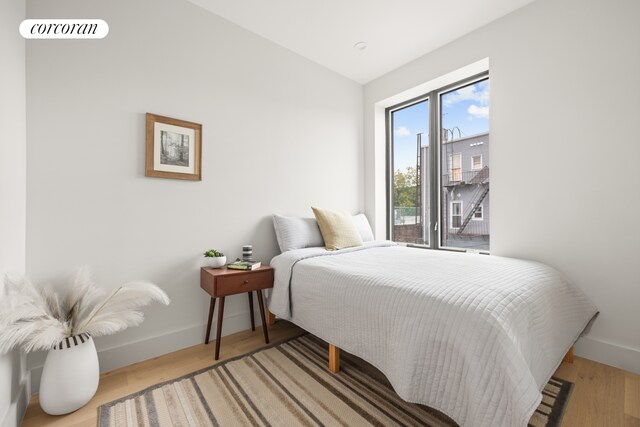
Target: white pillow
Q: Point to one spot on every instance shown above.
(297, 233)
(363, 226)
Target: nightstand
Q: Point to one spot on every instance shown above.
(222, 282)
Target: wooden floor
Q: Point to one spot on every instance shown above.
(602, 396)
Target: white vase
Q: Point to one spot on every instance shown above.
(70, 375)
(216, 262)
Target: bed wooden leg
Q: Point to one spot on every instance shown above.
(271, 318)
(334, 358)
(569, 356)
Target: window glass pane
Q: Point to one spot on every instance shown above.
(464, 166)
(478, 214)
(410, 143)
(476, 162)
(455, 166)
(456, 214)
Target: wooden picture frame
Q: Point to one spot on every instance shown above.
(173, 148)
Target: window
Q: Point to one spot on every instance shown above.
(455, 167)
(477, 215)
(410, 167)
(438, 167)
(456, 215)
(476, 162)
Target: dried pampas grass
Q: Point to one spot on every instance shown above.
(36, 318)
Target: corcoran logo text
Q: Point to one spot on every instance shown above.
(64, 29)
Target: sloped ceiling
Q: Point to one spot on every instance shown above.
(396, 31)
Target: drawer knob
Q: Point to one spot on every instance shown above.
(246, 282)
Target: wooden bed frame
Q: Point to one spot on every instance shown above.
(334, 352)
(334, 358)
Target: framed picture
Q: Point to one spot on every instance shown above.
(174, 148)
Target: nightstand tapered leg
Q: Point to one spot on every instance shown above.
(262, 317)
(253, 321)
(219, 326)
(212, 306)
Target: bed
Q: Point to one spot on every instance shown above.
(476, 337)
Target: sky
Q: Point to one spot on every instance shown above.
(466, 108)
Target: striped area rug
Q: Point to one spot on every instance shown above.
(288, 384)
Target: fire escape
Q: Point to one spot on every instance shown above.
(479, 179)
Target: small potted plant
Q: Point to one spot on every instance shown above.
(215, 259)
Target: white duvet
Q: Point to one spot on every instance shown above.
(476, 337)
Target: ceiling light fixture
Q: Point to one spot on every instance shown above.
(360, 46)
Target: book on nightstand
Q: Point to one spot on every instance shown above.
(244, 265)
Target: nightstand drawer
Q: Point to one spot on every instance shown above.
(238, 283)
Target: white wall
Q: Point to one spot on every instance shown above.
(13, 385)
(280, 133)
(565, 93)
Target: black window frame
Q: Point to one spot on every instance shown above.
(435, 173)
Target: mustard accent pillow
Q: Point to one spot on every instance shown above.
(337, 228)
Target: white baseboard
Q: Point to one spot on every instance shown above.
(137, 351)
(18, 406)
(116, 357)
(608, 353)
